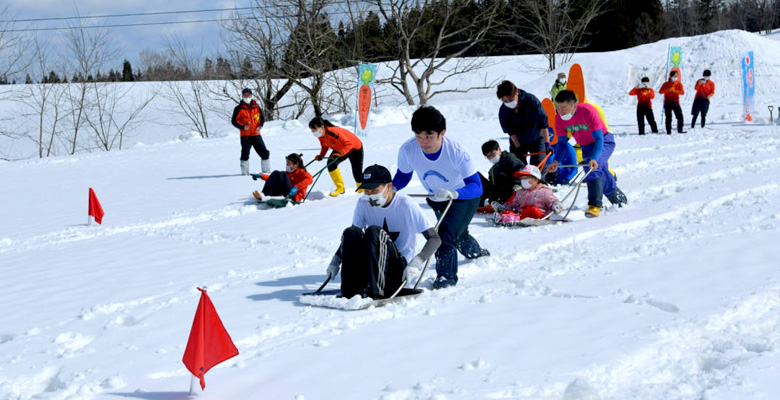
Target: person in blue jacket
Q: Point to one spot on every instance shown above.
(447, 171)
(522, 117)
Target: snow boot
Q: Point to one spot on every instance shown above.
(593, 211)
(338, 181)
(441, 282)
(265, 165)
(617, 197)
(244, 167)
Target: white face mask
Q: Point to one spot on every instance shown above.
(378, 199)
(674, 79)
(526, 183)
(290, 169)
(567, 117)
(247, 100)
(705, 79)
(512, 104)
(562, 81)
(495, 159)
(317, 133)
(642, 85)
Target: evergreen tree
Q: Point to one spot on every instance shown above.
(127, 72)
(27, 79)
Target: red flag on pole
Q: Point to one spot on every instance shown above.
(95, 210)
(209, 343)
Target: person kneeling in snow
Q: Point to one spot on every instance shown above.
(501, 182)
(380, 247)
(532, 200)
(291, 183)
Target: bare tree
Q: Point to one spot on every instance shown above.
(764, 13)
(555, 28)
(440, 24)
(114, 112)
(89, 50)
(12, 50)
(189, 96)
(45, 104)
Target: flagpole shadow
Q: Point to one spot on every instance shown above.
(155, 395)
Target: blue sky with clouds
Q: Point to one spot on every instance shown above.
(128, 41)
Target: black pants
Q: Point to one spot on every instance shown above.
(355, 160)
(247, 142)
(521, 152)
(668, 109)
(278, 184)
(495, 191)
(455, 237)
(643, 112)
(371, 265)
(700, 105)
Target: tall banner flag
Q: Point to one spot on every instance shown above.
(675, 58)
(748, 85)
(366, 78)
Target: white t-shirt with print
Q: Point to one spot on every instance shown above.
(448, 171)
(403, 219)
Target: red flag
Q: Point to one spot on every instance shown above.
(209, 343)
(95, 210)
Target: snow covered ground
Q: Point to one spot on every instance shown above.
(676, 296)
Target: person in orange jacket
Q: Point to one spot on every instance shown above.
(644, 106)
(345, 145)
(705, 89)
(248, 118)
(672, 89)
(292, 183)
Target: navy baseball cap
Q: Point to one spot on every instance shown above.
(375, 176)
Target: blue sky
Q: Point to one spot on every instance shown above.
(129, 41)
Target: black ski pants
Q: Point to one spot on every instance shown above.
(499, 191)
(247, 142)
(371, 265)
(643, 112)
(355, 160)
(455, 237)
(278, 184)
(668, 109)
(700, 105)
(537, 146)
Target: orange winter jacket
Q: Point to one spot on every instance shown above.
(248, 114)
(644, 96)
(672, 91)
(300, 179)
(704, 89)
(340, 140)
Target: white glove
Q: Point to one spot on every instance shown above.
(557, 207)
(416, 263)
(444, 195)
(333, 270)
(497, 206)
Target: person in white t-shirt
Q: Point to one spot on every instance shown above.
(447, 171)
(381, 245)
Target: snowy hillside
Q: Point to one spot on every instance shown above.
(676, 296)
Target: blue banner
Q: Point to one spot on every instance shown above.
(675, 58)
(366, 78)
(748, 86)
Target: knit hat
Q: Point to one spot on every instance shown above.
(561, 75)
(707, 72)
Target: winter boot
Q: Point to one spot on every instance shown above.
(442, 282)
(593, 211)
(338, 181)
(617, 197)
(244, 167)
(265, 165)
(257, 195)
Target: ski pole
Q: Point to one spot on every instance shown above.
(771, 116)
(436, 228)
(317, 175)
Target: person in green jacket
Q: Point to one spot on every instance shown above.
(560, 84)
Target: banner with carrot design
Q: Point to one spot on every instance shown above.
(366, 78)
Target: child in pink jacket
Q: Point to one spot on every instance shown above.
(532, 200)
